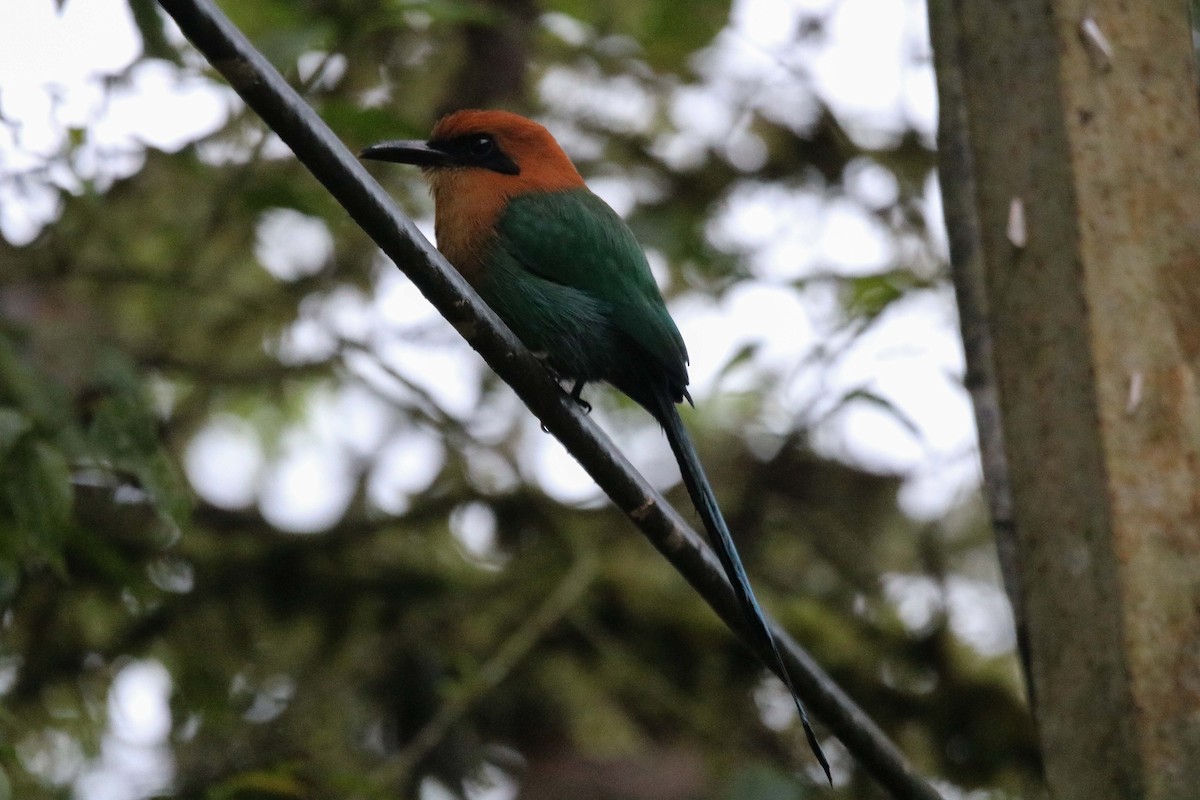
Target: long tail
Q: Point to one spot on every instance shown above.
(706, 504)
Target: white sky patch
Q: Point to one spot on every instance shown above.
(617, 192)
(225, 462)
(292, 245)
(859, 74)
(934, 221)
(912, 359)
(163, 109)
(557, 472)
(852, 242)
(52, 68)
(362, 419)
(307, 340)
(137, 703)
(871, 184)
(746, 151)
(775, 319)
(491, 783)
(333, 69)
(490, 472)
(324, 322)
(407, 464)
(566, 28)
(920, 100)
(771, 23)
(135, 760)
(777, 227)
(473, 526)
(681, 151)
(869, 436)
(308, 487)
(41, 45)
(450, 373)
(938, 485)
(397, 303)
(308, 484)
(345, 314)
(26, 207)
(271, 698)
(979, 612)
(619, 102)
(703, 113)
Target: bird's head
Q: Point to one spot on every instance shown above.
(507, 152)
(475, 162)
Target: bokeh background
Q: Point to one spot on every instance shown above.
(270, 529)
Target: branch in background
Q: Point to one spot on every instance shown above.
(956, 176)
(265, 91)
(398, 768)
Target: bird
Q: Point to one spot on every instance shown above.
(561, 268)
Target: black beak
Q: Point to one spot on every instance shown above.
(408, 152)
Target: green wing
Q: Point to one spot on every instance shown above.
(573, 239)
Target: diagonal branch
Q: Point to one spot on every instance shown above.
(265, 91)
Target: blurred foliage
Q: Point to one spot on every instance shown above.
(386, 652)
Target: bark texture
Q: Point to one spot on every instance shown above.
(1085, 138)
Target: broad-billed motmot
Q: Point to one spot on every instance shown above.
(565, 273)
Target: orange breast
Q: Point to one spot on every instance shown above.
(467, 210)
(468, 203)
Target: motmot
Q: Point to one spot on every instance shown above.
(566, 274)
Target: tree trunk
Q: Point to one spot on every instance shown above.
(1085, 141)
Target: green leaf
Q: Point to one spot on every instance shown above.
(10, 582)
(276, 784)
(124, 435)
(280, 30)
(760, 782)
(39, 494)
(13, 425)
(45, 401)
(869, 295)
(667, 42)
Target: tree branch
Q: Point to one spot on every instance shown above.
(265, 91)
(398, 768)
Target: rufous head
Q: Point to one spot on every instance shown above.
(476, 161)
(506, 150)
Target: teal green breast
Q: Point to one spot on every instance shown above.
(568, 276)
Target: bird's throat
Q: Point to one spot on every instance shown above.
(467, 207)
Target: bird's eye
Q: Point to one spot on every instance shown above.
(481, 146)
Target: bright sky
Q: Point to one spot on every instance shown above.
(873, 74)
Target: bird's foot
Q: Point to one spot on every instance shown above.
(576, 395)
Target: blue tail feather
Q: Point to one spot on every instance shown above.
(706, 505)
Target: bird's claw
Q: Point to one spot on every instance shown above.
(576, 395)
